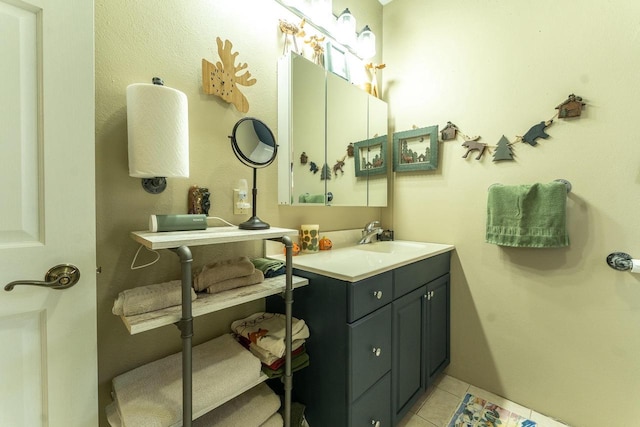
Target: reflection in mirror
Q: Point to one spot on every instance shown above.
(370, 156)
(254, 145)
(320, 117)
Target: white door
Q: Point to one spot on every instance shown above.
(48, 355)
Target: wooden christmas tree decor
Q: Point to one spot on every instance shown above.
(325, 173)
(503, 150)
(222, 78)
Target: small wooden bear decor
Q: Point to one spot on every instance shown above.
(536, 131)
(222, 79)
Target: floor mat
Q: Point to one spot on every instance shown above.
(477, 412)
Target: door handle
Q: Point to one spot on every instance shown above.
(60, 277)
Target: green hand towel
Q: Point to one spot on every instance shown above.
(270, 267)
(311, 198)
(532, 216)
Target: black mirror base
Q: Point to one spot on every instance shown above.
(254, 223)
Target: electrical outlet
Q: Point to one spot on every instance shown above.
(238, 201)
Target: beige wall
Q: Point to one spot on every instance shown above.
(134, 42)
(554, 329)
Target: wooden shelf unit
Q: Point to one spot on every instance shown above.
(182, 316)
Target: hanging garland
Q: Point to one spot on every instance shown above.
(571, 107)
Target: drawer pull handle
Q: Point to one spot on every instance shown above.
(377, 351)
(377, 294)
(375, 423)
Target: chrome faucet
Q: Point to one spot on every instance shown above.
(370, 230)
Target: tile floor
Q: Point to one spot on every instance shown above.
(435, 408)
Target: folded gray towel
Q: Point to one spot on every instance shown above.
(238, 282)
(144, 299)
(222, 270)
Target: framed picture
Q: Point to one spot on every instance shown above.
(336, 60)
(370, 156)
(415, 150)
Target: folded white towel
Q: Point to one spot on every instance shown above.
(250, 409)
(144, 299)
(151, 395)
(267, 330)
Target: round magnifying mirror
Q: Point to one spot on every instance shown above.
(254, 145)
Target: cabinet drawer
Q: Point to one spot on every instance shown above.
(369, 295)
(370, 350)
(373, 406)
(412, 276)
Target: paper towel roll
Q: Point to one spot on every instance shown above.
(158, 131)
(635, 265)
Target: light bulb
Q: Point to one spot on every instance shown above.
(367, 43)
(346, 29)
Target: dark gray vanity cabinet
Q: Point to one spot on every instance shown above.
(420, 342)
(371, 343)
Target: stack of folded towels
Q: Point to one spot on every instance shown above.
(264, 333)
(228, 274)
(270, 267)
(151, 395)
(144, 299)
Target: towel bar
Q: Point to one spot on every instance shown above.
(563, 181)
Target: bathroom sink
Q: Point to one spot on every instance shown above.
(357, 262)
(390, 247)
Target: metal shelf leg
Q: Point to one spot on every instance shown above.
(186, 328)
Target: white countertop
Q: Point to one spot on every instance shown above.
(357, 262)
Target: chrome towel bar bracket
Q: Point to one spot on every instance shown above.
(619, 261)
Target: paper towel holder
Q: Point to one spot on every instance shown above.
(620, 261)
(151, 182)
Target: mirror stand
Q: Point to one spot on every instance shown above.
(254, 223)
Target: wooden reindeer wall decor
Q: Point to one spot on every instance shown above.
(571, 108)
(223, 78)
(292, 31)
(318, 48)
(373, 68)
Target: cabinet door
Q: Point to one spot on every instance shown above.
(407, 374)
(437, 328)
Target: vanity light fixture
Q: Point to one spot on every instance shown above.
(346, 28)
(366, 43)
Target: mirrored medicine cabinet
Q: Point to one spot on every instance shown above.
(332, 139)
